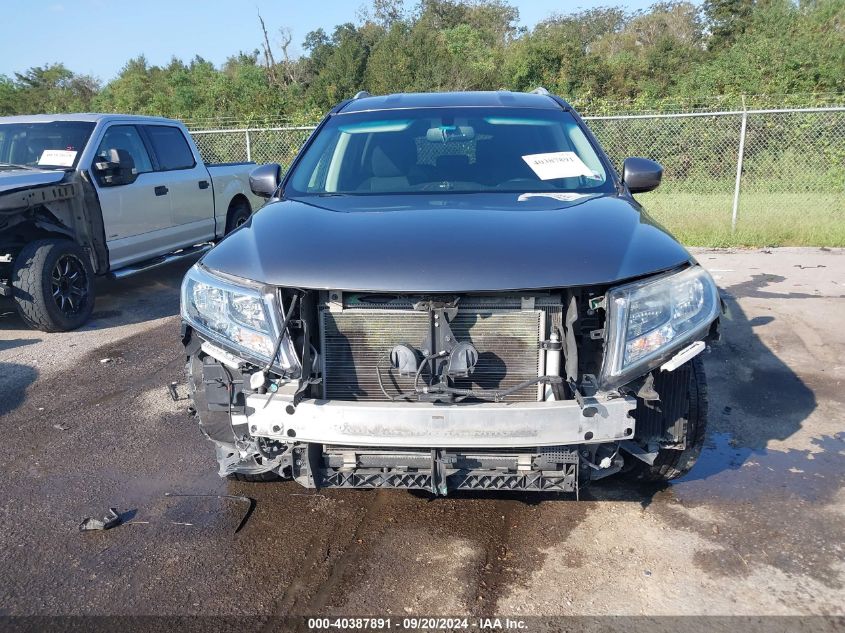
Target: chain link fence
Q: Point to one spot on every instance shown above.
(260, 145)
(756, 177)
(740, 177)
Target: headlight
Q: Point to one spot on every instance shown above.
(238, 315)
(647, 320)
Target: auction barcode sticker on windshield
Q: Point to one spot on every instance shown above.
(557, 165)
(57, 157)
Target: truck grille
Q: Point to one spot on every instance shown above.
(357, 339)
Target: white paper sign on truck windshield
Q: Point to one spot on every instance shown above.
(557, 165)
(58, 157)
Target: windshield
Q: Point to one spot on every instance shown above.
(57, 144)
(460, 150)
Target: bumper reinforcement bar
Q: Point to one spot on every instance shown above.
(487, 425)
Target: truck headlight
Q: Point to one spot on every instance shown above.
(238, 315)
(651, 319)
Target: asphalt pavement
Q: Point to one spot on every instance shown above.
(757, 528)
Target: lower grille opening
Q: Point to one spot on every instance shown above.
(553, 469)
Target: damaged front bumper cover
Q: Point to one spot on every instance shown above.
(388, 424)
(437, 447)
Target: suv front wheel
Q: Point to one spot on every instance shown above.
(679, 417)
(53, 285)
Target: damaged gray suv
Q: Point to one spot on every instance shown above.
(448, 292)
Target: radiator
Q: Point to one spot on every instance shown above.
(357, 337)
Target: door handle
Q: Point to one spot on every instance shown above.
(161, 190)
(203, 184)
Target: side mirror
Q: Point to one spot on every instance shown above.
(117, 169)
(265, 180)
(641, 174)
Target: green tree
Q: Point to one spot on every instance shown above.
(8, 96)
(672, 51)
(343, 73)
(51, 88)
(727, 19)
(784, 48)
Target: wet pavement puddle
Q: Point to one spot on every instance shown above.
(728, 471)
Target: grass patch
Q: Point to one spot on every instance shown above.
(764, 219)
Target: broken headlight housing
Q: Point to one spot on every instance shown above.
(649, 320)
(238, 314)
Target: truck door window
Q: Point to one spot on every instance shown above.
(171, 149)
(126, 137)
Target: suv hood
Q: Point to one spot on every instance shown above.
(448, 243)
(12, 179)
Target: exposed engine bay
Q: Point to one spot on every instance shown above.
(433, 392)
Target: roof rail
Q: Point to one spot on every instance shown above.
(539, 90)
(361, 94)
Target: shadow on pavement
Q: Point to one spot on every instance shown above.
(14, 381)
(754, 395)
(20, 342)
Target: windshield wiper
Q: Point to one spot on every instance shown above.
(16, 166)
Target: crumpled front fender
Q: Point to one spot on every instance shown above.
(236, 451)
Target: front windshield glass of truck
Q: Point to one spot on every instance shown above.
(460, 150)
(54, 145)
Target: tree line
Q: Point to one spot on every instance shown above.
(673, 52)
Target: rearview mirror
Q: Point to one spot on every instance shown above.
(450, 134)
(641, 174)
(265, 180)
(116, 168)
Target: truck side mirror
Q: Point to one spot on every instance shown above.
(117, 169)
(265, 180)
(641, 174)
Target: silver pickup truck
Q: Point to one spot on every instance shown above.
(103, 194)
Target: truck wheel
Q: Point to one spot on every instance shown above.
(53, 285)
(239, 212)
(682, 413)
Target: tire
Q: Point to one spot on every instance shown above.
(239, 212)
(53, 285)
(260, 477)
(686, 386)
